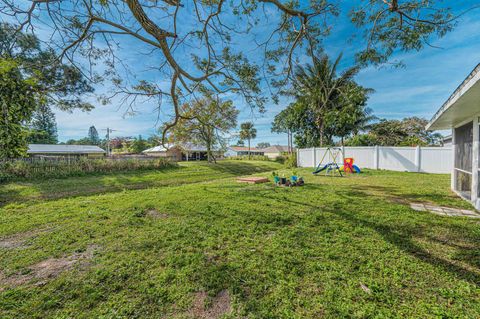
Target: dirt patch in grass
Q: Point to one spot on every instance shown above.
(16, 240)
(20, 240)
(48, 269)
(155, 214)
(219, 305)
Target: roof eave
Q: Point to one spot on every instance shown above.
(469, 81)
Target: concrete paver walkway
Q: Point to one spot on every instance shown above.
(444, 211)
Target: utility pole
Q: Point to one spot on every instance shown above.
(109, 130)
(108, 142)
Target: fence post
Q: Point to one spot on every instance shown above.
(314, 156)
(376, 163)
(418, 157)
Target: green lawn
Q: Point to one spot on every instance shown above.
(191, 242)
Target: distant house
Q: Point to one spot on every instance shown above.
(447, 141)
(182, 152)
(275, 150)
(242, 151)
(160, 151)
(52, 150)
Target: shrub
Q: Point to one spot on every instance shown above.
(280, 159)
(291, 160)
(19, 169)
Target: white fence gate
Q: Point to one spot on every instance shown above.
(410, 159)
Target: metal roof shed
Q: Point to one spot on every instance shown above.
(62, 150)
(460, 113)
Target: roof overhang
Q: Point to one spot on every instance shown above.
(462, 105)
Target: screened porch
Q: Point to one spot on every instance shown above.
(460, 113)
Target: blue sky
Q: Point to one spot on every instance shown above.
(419, 89)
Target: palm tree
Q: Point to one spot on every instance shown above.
(248, 132)
(320, 87)
(364, 121)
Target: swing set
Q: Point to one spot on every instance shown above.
(332, 168)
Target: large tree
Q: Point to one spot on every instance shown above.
(321, 89)
(55, 84)
(93, 136)
(407, 132)
(204, 52)
(327, 105)
(42, 126)
(349, 114)
(62, 84)
(300, 119)
(286, 122)
(206, 122)
(17, 103)
(248, 132)
(139, 145)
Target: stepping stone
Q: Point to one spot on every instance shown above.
(418, 207)
(444, 211)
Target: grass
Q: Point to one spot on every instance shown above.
(335, 248)
(186, 173)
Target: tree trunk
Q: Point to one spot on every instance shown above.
(291, 142)
(288, 138)
(321, 134)
(249, 156)
(209, 149)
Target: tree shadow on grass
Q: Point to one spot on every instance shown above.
(9, 195)
(74, 186)
(402, 234)
(241, 168)
(402, 238)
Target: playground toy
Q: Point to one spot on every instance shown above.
(349, 167)
(332, 168)
(283, 181)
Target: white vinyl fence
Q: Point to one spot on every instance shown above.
(409, 159)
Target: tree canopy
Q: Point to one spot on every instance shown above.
(17, 104)
(206, 122)
(203, 53)
(248, 132)
(139, 145)
(407, 132)
(38, 73)
(62, 85)
(93, 136)
(42, 126)
(327, 104)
